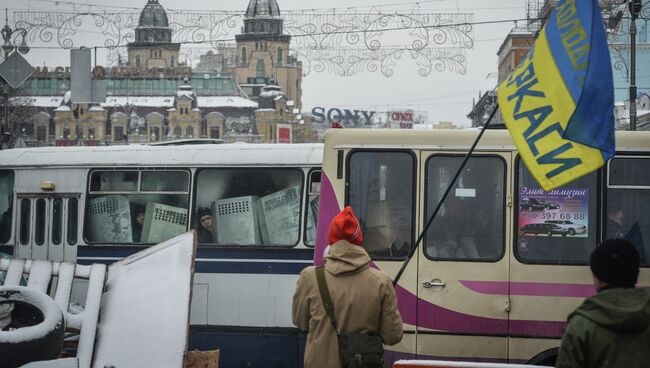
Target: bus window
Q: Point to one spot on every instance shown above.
(6, 204)
(113, 181)
(57, 220)
(381, 195)
(118, 212)
(165, 181)
(477, 198)
(628, 192)
(248, 206)
(313, 197)
(556, 227)
(40, 224)
(25, 217)
(73, 215)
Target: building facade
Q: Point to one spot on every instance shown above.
(152, 97)
(263, 54)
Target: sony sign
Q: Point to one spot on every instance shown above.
(344, 116)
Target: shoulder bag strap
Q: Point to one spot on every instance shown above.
(325, 296)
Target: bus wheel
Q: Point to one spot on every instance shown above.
(35, 330)
(546, 358)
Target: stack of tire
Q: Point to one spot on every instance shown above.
(35, 329)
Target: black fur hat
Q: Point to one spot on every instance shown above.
(616, 262)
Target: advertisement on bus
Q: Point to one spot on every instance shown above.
(560, 212)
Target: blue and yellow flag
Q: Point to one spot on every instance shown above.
(559, 103)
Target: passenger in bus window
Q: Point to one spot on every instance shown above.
(617, 227)
(204, 230)
(615, 221)
(611, 328)
(138, 222)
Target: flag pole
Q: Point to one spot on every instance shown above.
(444, 196)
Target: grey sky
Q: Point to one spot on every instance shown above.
(446, 96)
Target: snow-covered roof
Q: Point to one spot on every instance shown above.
(96, 108)
(146, 101)
(39, 101)
(228, 154)
(184, 93)
(225, 101)
(63, 108)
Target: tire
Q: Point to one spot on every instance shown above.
(572, 232)
(39, 327)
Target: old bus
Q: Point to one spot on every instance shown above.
(503, 262)
(100, 204)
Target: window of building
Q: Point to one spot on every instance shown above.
(215, 132)
(243, 55)
(280, 56)
(178, 131)
(250, 206)
(189, 132)
(41, 133)
(628, 193)
(381, 193)
(260, 68)
(477, 198)
(171, 60)
(137, 61)
(6, 204)
(556, 227)
(136, 206)
(119, 134)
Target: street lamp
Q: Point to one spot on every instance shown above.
(8, 33)
(635, 8)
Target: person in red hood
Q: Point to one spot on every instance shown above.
(364, 298)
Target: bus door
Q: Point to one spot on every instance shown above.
(549, 272)
(463, 261)
(380, 186)
(47, 226)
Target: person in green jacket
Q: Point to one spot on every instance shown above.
(611, 328)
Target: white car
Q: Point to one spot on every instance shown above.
(571, 228)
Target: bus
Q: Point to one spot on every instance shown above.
(254, 207)
(504, 262)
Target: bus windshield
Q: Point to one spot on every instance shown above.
(6, 204)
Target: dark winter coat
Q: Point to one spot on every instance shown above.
(610, 329)
(364, 301)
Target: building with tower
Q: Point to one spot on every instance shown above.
(263, 54)
(153, 46)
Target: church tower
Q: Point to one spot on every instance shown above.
(153, 47)
(263, 53)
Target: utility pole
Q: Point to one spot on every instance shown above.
(635, 8)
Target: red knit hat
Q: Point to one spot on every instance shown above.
(345, 226)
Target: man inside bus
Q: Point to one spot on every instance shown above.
(204, 230)
(363, 298)
(611, 328)
(138, 222)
